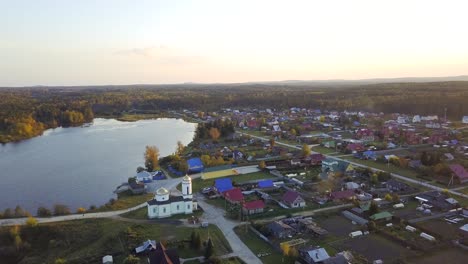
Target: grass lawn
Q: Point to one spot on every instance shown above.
(257, 246)
(125, 200)
(86, 241)
(323, 150)
(383, 166)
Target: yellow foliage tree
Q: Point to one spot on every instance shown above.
(151, 158)
(31, 222)
(214, 133)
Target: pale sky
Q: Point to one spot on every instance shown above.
(97, 42)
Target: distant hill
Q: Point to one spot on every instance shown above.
(303, 83)
(369, 81)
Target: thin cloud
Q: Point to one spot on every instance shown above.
(162, 54)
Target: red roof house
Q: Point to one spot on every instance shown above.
(459, 173)
(253, 207)
(343, 195)
(234, 195)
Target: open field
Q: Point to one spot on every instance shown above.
(375, 247)
(86, 241)
(451, 255)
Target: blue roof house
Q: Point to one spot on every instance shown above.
(223, 185)
(195, 165)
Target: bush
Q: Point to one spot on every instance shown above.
(31, 222)
(81, 210)
(131, 260)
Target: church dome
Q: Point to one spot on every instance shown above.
(162, 191)
(187, 178)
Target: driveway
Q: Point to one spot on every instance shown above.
(215, 216)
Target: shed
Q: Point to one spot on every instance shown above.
(265, 184)
(195, 165)
(357, 219)
(387, 216)
(107, 259)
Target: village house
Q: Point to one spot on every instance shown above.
(345, 195)
(437, 200)
(459, 174)
(234, 196)
(280, 230)
(293, 199)
(253, 207)
(397, 186)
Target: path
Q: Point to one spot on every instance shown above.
(215, 216)
(398, 176)
(168, 184)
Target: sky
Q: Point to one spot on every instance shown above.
(100, 42)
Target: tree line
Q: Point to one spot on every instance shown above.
(26, 112)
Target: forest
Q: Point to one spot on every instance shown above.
(27, 112)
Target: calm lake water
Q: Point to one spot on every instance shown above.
(81, 166)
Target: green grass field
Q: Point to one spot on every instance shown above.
(86, 241)
(199, 184)
(125, 200)
(257, 246)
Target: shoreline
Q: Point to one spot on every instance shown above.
(122, 118)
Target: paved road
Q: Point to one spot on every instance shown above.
(215, 216)
(398, 176)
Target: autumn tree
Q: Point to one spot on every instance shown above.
(262, 165)
(31, 222)
(272, 142)
(214, 133)
(306, 150)
(151, 157)
(293, 131)
(180, 148)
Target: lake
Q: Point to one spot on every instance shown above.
(81, 166)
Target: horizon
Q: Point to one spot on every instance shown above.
(377, 80)
(210, 42)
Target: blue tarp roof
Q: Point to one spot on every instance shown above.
(369, 153)
(265, 184)
(195, 165)
(223, 185)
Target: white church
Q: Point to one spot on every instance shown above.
(165, 205)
